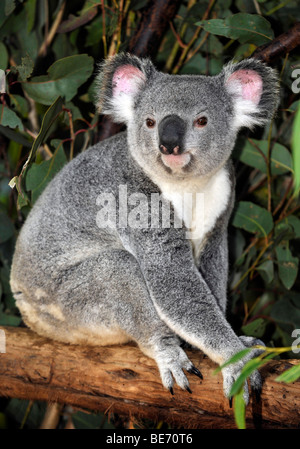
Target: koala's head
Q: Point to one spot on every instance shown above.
(182, 126)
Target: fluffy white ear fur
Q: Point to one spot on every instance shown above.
(246, 87)
(126, 83)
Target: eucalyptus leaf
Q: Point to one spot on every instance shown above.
(64, 78)
(240, 410)
(285, 313)
(7, 228)
(290, 375)
(266, 270)
(246, 28)
(287, 265)
(9, 320)
(3, 56)
(255, 152)
(39, 175)
(255, 328)
(252, 218)
(9, 6)
(73, 22)
(25, 68)
(30, 7)
(48, 120)
(15, 136)
(296, 150)
(9, 118)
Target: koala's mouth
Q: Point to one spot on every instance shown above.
(176, 161)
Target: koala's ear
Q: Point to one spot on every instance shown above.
(121, 79)
(254, 88)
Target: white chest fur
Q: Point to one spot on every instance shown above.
(198, 203)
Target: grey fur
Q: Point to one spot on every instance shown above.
(76, 282)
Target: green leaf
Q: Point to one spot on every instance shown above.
(266, 270)
(9, 320)
(94, 31)
(13, 135)
(283, 231)
(39, 175)
(255, 328)
(63, 79)
(240, 410)
(290, 375)
(286, 314)
(253, 218)
(9, 6)
(30, 7)
(25, 68)
(3, 56)
(20, 104)
(255, 152)
(6, 227)
(48, 120)
(246, 28)
(296, 151)
(287, 265)
(74, 22)
(9, 118)
(295, 222)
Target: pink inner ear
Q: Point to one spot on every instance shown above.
(127, 79)
(251, 83)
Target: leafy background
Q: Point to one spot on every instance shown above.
(49, 51)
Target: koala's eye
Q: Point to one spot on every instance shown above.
(200, 122)
(150, 123)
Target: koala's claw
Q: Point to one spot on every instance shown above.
(194, 370)
(230, 402)
(172, 361)
(171, 391)
(188, 389)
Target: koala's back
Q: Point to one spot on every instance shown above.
(61, 229)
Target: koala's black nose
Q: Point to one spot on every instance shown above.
(171, 134)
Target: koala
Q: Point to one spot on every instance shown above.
(95, 264)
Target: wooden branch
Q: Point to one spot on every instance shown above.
(280, 46)
(155, 21)
(121, 379)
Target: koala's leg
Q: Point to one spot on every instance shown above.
(104, 300)
(213, 265)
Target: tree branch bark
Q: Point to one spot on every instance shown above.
(123, 380)
(155, 21)
(280, 46)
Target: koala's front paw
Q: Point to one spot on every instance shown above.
(232, 372)
(171, 362)
(230, 375)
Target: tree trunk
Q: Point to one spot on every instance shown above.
(121, 379)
